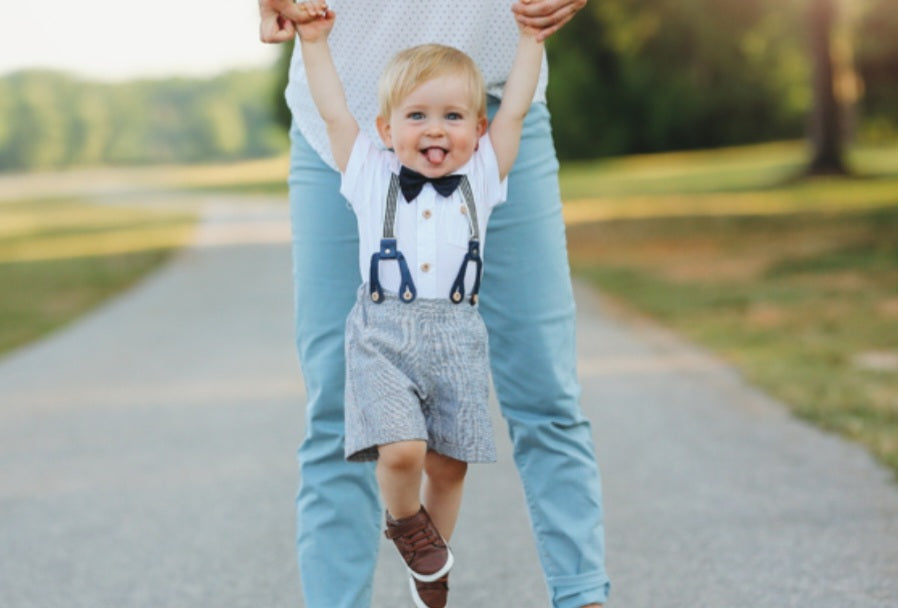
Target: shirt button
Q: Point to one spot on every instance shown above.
(426, 214)
(463, 209)
(425, 267)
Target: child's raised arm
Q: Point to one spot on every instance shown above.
(505, 129)
(324, 82)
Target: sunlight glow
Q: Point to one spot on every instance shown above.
(108, 40)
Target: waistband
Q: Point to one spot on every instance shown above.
(392, 305)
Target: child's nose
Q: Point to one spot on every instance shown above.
(434, 127)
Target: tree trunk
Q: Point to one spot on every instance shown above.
(825, 127)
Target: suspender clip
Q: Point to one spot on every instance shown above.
(458, 287)
(388, 251)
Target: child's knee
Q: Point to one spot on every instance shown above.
(442, 470)
(402, 455)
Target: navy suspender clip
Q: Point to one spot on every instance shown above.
(388, 251)
(458, 287)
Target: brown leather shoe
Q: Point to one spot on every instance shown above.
(420, 545)
(430, 595)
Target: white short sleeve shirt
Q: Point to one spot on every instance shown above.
(432, 231)
(367, 34)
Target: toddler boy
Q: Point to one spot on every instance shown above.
(416, 348)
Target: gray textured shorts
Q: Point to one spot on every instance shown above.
(417, 371)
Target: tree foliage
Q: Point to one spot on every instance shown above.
(627, 76)
(50, 120)
(646, 75)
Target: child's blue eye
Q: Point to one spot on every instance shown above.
(454, 116)
(416, 115)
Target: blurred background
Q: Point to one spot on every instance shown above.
(730, 168)
(84, 85)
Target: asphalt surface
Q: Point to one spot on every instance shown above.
(147, 460)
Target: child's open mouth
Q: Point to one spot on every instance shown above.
(434, 155)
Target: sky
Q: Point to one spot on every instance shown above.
(117, 40)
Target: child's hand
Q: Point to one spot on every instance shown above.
(315, 20)
(528, 31)
(524, 27)
(307, 12)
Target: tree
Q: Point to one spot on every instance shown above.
(826, 124)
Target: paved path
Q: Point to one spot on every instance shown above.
(147, 460)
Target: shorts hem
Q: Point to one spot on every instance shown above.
(369, 453)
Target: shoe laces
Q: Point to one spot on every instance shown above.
(420, 537)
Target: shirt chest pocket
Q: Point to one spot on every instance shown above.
(457, 225)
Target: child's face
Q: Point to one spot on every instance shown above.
(435, 129)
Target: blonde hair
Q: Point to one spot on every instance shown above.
(414, 66)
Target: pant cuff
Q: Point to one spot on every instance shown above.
(580, 590)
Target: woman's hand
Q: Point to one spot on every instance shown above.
(546, 16)
(279, 19)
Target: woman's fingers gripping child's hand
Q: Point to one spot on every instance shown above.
(546, 16)
(276, 20)
(311, 11)
(314, 21)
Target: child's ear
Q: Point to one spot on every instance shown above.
(481, 129)
(481, 126)
(383, 129)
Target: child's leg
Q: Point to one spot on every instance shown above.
(443, 487)
(399, 469)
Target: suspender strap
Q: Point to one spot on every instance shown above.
(465, 187)
(457, 293)
(389, 251)
(390, 212)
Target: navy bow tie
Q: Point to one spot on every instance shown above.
(411, 182)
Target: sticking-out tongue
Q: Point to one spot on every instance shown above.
(435, 155)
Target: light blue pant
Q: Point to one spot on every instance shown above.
(528, 306)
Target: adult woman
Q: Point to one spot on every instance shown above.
(526, 301)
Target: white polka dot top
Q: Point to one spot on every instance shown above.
(367, 34)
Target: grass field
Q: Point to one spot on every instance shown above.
(60, 257)
(793, 282)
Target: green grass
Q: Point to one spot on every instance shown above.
(61, 257)
(267, 176)
(756, 168)
(802, 299)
